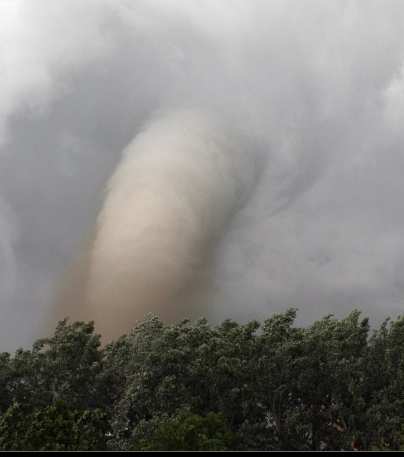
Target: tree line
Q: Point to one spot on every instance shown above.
(334, 385)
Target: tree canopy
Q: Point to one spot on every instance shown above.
(335, 385)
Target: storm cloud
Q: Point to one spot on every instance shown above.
(314, 91)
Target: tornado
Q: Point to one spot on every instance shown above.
(177, 186)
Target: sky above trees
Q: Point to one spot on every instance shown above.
(316, 87)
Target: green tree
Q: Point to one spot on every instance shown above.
(276, 386)
(56, 427)
(55, 396)
(184, 431)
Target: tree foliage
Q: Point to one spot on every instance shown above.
(335, 385)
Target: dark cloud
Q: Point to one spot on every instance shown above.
(315, 89)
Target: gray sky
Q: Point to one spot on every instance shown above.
(317, 88)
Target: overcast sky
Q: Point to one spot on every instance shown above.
(317, 87)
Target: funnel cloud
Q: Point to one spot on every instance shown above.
(178, 184)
